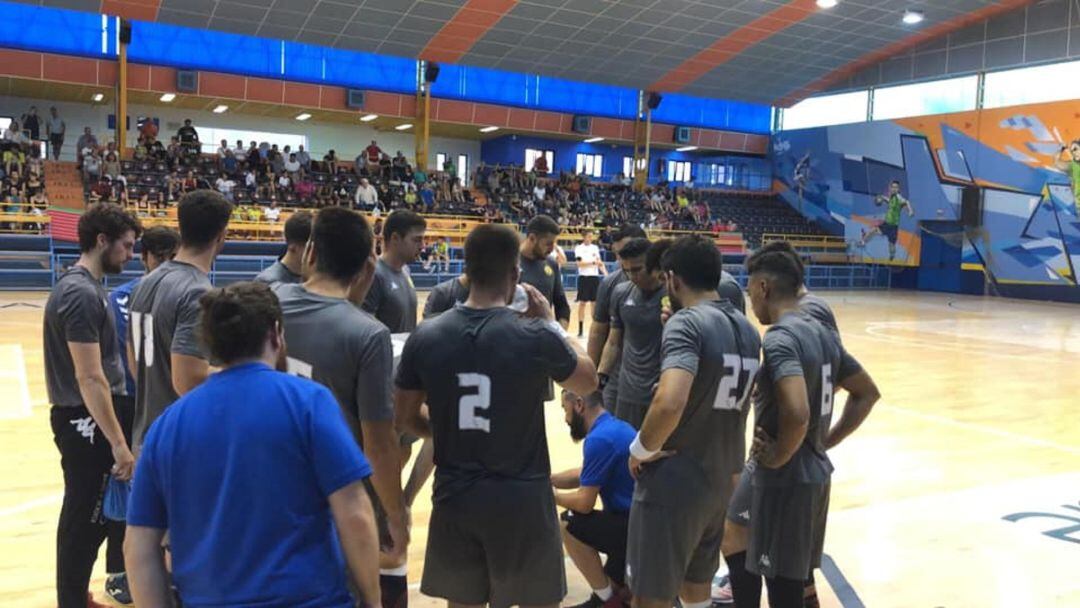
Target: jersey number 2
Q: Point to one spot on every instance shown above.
(470, 405)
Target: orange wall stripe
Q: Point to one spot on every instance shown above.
(470, 24)
(726, 48)
(901, 46)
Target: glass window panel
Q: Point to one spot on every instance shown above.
(827, 110)
(923, 98)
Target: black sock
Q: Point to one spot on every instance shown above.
(395, 591)
(745, 586)
(785, 592)
(580, 327)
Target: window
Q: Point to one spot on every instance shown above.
(628, 168)
(717, 174)
(1055, 82)
(920, 99)
(210, 138)
(532, 154)
(678, 171)
(440, 160)
(826, 110)
(590, 164)
(463, 168)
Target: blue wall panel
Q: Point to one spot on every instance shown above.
(56, 30)
(185, 47)
(713, 113)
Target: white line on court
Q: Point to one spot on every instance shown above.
(873, 332)
(32, 504)
(14, 390)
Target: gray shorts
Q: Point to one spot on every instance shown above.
(738, 511)
(631, 412)
(787, 530)
(611, 393)
(676, 527)
(497, 543)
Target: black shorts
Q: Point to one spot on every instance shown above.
(497, 543)
(604, 531)
(586, 288)
(890, 231)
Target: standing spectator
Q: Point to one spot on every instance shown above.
(304, 158)
(188, 136)
(240, 152)
(254, 159)
(366, 196)
(223, 149)
(91, 167)
(31, 123)
(360, 164)
(111, 166)
(229, 165)
(400, 166)
(449, 167)
(56, 127)
(373, 153)
(86, 140)
(540, 192)
(540, 165)
(303, 489)
(277, 161)
(384, 166)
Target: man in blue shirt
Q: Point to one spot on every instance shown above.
(255, 476)
(604, 472)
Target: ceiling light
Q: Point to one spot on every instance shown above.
(368, 117)
(404, 127)
(826, 3)
(167, 97)
(303, 116)
(99, 96)
(593, 140)
(489, 129)
(220, 109)
(912, 17)
(686, 149)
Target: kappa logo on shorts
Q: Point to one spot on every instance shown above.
(85, 427)
(745, 514)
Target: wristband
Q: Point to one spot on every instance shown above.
(639, 451)
(554, 325)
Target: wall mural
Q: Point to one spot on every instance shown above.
(877, 183)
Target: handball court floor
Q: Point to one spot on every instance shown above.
(962, 489)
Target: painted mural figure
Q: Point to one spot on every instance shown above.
(890, 227)
(1071, 166)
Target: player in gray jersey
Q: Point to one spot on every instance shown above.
(346, 350)
(494, 537)
(540, 271)
(693, 437)
(730, 290)
(392, 297)
(287, 269)
(803, 366)
(163, 344)
(446, 295)
(85, 384)
(636, 328)
(736, 532)
(601, 318)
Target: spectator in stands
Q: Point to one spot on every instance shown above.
(540, 192)
(330, 161)
(373, 154)
(540, 165)
(305, 188)
(86, 140)
(400, 166)
(419, 177)
(91, 166)
(254, 159)
(225, 186)
(31, 123)
(173, 183)
(250, 181)
(284, 186)
(292, 167)
(174, 152)
(229, 165)
(427, 197)
(111, 166)
(276, 160)
(449, 167)
(190, 183)
(385, 166)
(223, 149)
(411, 198)
(240, 152)
(266, 188)
(13, 133)
(304, 159)
(457, 192)
(188, 136)
(55, 127)
(365, 196)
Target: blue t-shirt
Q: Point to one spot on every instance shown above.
(118, 299)
(239, 471)
(607, 452)
(428, 197)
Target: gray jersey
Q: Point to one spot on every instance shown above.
(799, 345)
(544, 275)
(730, 290)
(718, 345)
(78, 311)
(164, 321)
(816, 307)
(485, 373)
(341, 347)
(277, 273)
(445, 296)
(602, 308)
(637, 314)
(392, 298)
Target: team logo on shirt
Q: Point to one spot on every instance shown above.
(548, 271)
(393, 285)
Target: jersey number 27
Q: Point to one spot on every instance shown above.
(738, 372)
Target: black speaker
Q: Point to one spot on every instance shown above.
(354, 99)
(971, 207)
(653, 100)
(431, 72)
(125, 31)
(582, 124)
(187, 81)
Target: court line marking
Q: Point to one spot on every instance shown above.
(13, 375)
(871, 332)
(839, 583)
(32, 504)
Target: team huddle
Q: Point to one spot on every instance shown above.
(255, 487)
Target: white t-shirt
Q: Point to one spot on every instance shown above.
(225, 186)
(272, 213)
(292, 166)
(588, 254)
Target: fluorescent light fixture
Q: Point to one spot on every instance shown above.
(221, 109)
(826, 3)
(404, 127)
(167, 97)
(368, 117)
(911, 17)
(303, 116)
(593, 140)
(489, 129)
(99, 96)
(686, 149)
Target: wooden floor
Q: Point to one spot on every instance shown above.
(979, 426)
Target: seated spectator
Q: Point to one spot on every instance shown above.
(225, 186)
(276, 160)
(292, 167)
(266, 188)
(457, 192)
(91, 165)
(111, 166)
(303, 158)
(540, 165)
(284, 186)
(385, 166)
(101, 190)
(272, 213)
(190, 183)
(540, 192)
(427, 197)
(419, 177)
(14, 159)
(39, 202)
(374, 153)
(250, 181)
(157, 151)
(330, 161)
(173, 186)
(254, 158)
(305, 188)
(86, 140)
(188, 136)
(411, 198)
(174, 152)
(365, 196)
(14, 133)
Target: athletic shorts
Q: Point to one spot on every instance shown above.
(586, 288)
(738, 511)
(787, 531)
(890, 231)
(499, 543)
(676, 527)
(604, 531)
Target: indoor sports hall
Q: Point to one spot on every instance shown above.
(921, 157)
